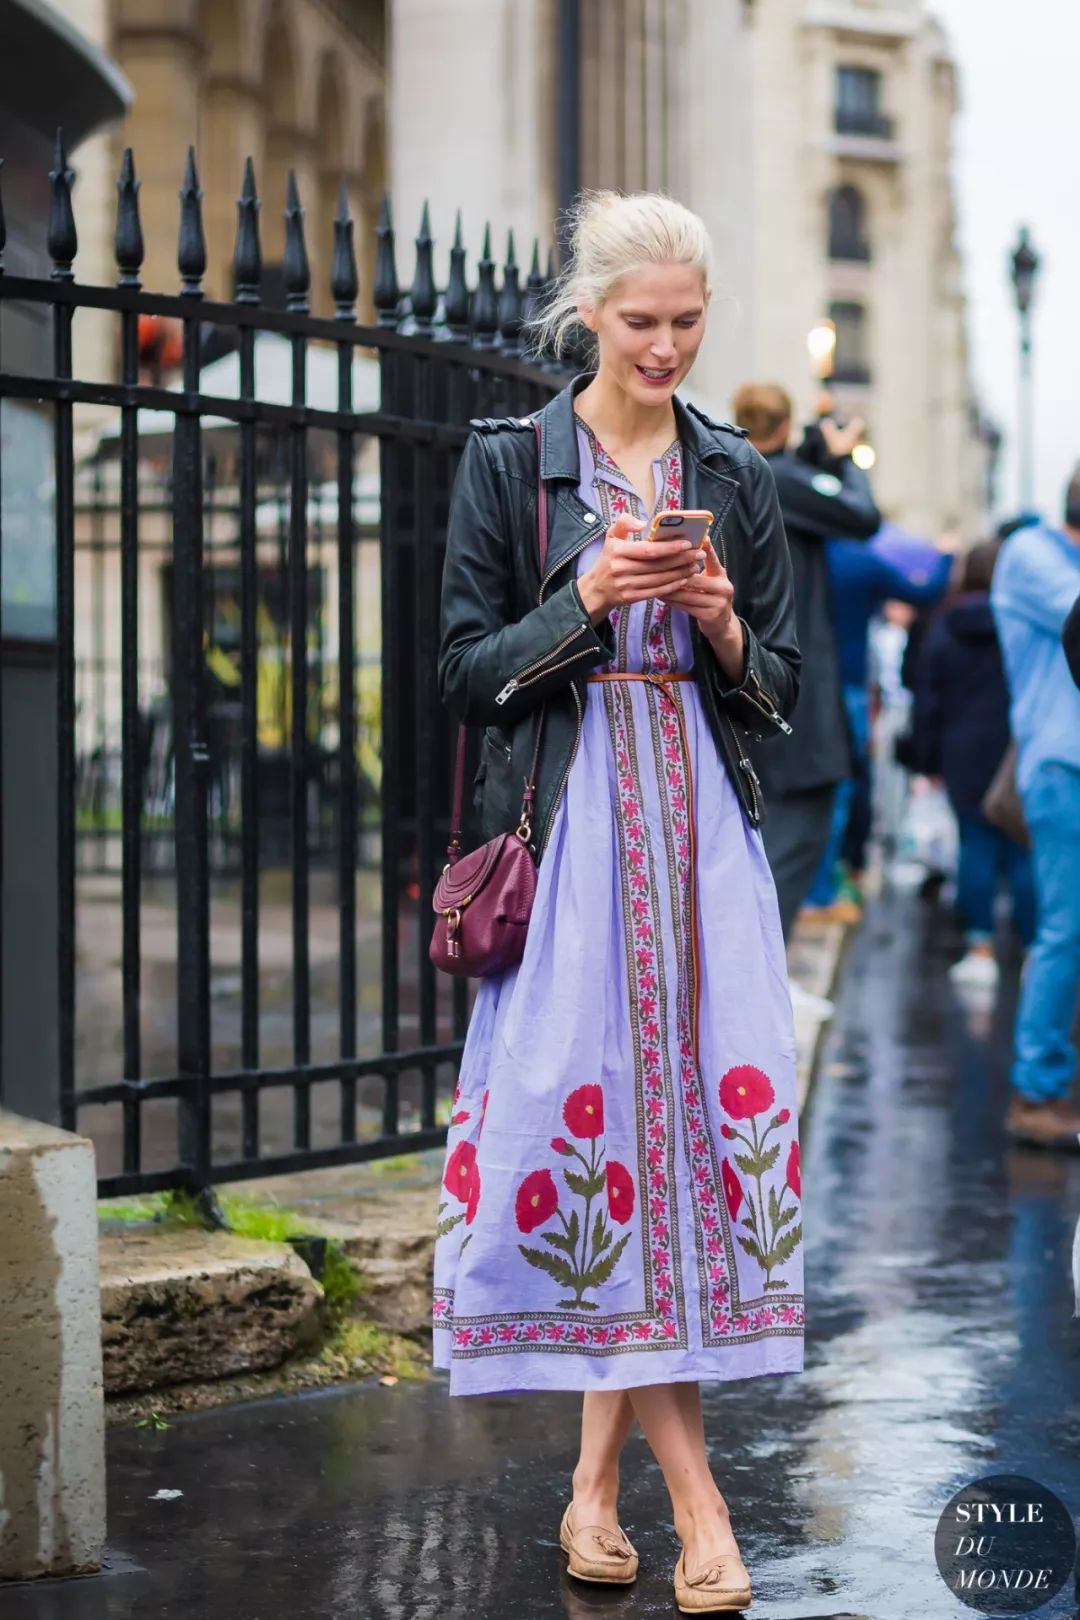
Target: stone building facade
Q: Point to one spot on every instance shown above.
(814, 137)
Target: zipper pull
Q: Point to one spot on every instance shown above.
(777, 720)
(507, 691)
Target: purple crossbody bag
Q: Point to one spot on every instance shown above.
(483, 900)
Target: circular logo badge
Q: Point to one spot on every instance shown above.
(1005, 1545)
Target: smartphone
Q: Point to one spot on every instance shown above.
(692, 526)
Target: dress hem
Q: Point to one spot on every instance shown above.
(544, 1373)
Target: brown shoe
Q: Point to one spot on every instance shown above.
(722, 1585)
(598, 1554)
(1053, 1124)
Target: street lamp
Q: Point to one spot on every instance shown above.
(1025, 267)
(821, 344)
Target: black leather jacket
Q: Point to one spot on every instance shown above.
(511, 640)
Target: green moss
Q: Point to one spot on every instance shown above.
(341, 1285)
(360, 1348)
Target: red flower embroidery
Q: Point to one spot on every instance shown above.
(583, 1111)
(461, 1171)
(472, 1202)
(783, 1116)
(460, 1117)
(537, 1200)
(733, 1193)
(745, 1091)
(559, 1144)
(620, 1191)
(483, 1109)
(794, 1176)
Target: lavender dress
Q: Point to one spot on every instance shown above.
(621, 1198)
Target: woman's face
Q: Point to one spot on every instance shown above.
(649, 329)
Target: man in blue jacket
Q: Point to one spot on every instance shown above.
(1035, 585)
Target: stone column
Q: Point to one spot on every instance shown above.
(52, 1426)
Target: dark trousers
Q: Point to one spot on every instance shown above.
(796, 833)
(987, 856)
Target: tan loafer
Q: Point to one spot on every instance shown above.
(598, 1554)
(723, 1584)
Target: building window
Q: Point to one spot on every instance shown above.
(847, 225)
(852, 362)
(858, 103)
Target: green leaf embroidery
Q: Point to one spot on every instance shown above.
(770, 1156)
(785, 1246)
(605, 1241)
(601, 1271)
(784, 1216)
(576, 1305)
(753, 1249)
(599, 1228)
(561, 1270)
(748, 1220)
(467, 1239)
(574, 1231)
(774, 1208)
(748, 1163)
(449, 1224)
(560, 1240)
(576, 1182)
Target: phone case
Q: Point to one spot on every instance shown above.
(669, 525)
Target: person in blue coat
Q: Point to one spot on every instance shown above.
(962, 734)
(862, 578)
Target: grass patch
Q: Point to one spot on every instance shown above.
(361, 1349)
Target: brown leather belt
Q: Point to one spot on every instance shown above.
(642, 675)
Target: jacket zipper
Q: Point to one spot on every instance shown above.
(532, 672)
(577, 696)
(747, 768)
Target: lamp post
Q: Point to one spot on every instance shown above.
(1025, 267)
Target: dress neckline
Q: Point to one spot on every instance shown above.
(606, 462)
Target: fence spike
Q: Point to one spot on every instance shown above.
(62, 239)
(552, 271)
(247, 255)
(510, 301)
(344, 280)
(191, 253)
(386, 295)
(3, 227)
(423, 294)
(297, 271)
(128, 244)
(485, 311)
(456, 299)
(533, 298)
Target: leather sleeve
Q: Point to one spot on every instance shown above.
(483, 653)
(833, 504)
(770, 679)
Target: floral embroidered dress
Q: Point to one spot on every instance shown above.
(620, 1202)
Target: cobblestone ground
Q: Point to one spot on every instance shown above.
(941, 1347)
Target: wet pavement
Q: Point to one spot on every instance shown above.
(941, 1348)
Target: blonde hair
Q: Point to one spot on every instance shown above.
(612, 235)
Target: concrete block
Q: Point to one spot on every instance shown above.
(52, 1430)
(187, 1305)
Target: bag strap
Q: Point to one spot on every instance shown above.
(524, 830)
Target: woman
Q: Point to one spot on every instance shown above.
(962, 732)
(621, 1212)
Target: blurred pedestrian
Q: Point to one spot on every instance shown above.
(962, 734)
(1070, 641)
(612, 1077)
(822, 494)
(862, 578)
(1036, 583)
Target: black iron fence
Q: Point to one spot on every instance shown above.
(252, 761)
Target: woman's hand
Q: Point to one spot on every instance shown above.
(709, 597)
(629, 570)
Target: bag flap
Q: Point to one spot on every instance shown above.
(464, 880)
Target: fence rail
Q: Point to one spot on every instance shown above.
(343, 575)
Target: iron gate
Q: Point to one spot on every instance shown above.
(167, 785)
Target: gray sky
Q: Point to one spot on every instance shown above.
(1015, 164)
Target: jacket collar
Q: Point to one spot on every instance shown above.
(558, 433)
